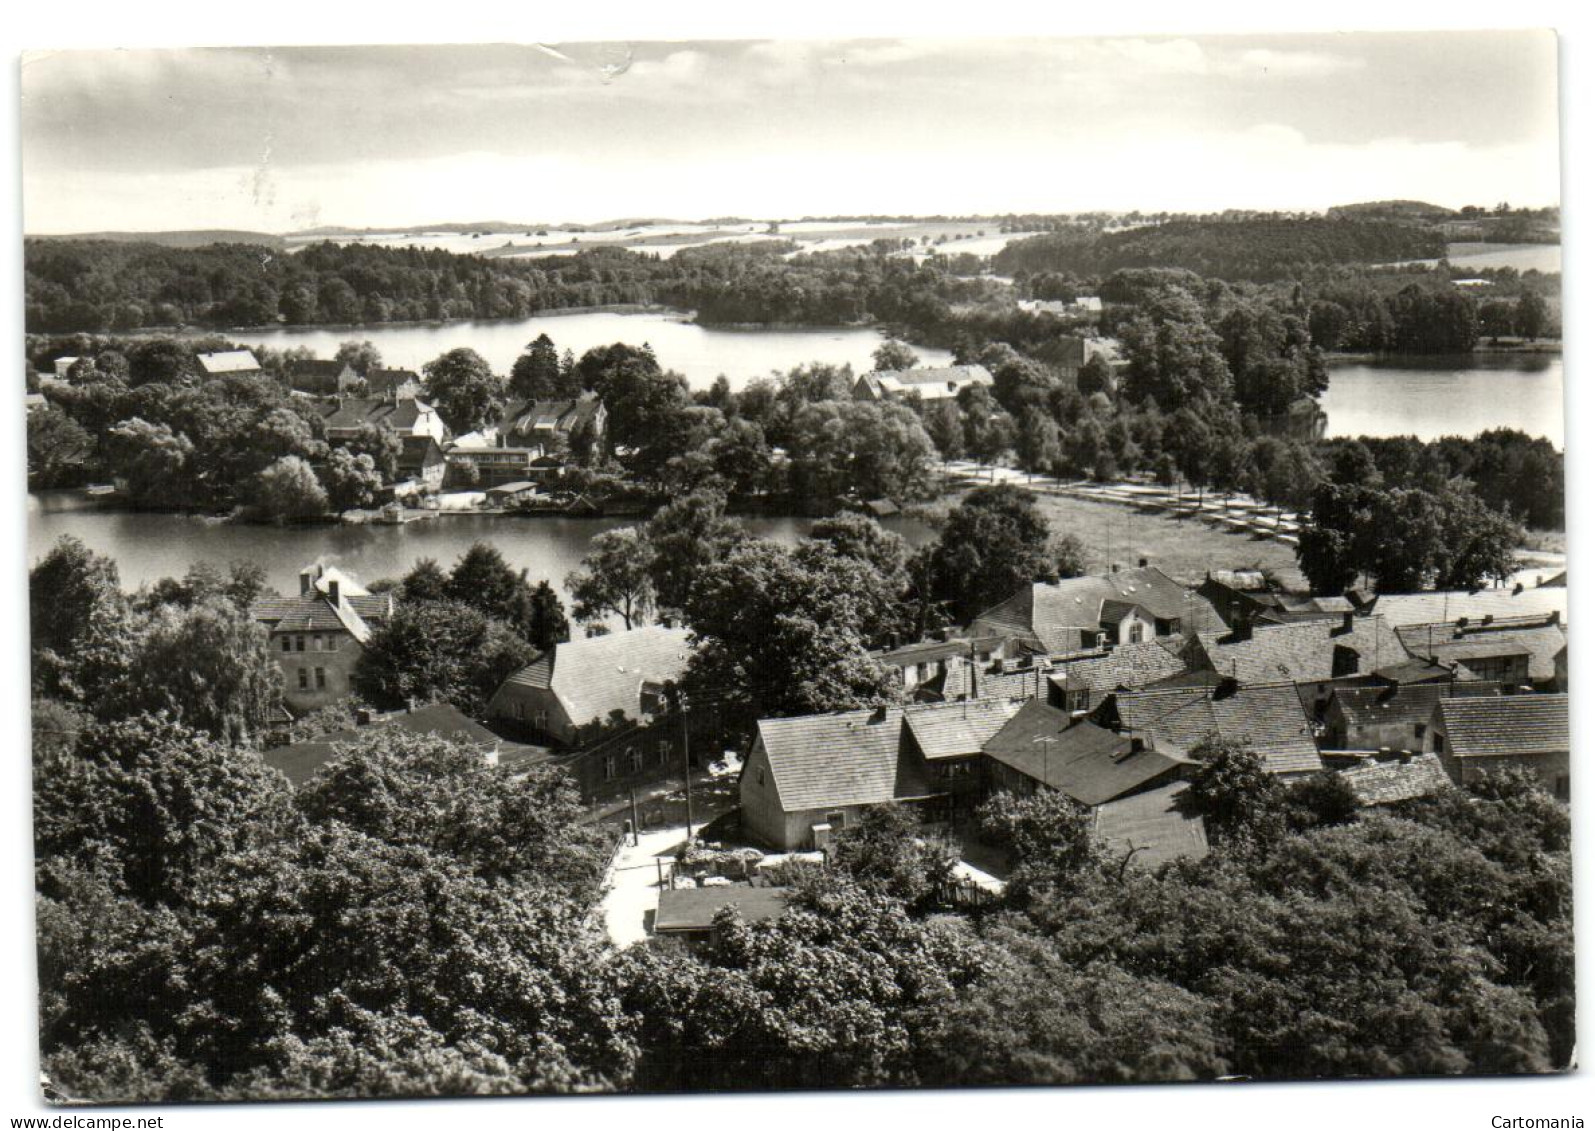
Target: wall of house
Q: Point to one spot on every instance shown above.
(532, 713)
(337, 657)
(1552, 768)
(1124, 630)
(760, 800)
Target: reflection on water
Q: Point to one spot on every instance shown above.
(1446, 396)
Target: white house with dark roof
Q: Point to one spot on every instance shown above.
(930, 383)
(577, 683)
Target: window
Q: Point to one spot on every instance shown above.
(299, 644)
(332, 643)
(304, 679)
(542, 720)
(634, 756)
(287, 644)
(836, 820)
(1563, 787)
(520, 710)
(315, 643)
(610, 768)
(761, 775)
(1137, 632)
(321, 679)
(663, 752)
(1419, 730)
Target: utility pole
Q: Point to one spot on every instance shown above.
(686, 763)
(631, 792)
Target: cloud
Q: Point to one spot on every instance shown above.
(1296, 64)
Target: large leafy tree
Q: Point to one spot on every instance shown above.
(615, 579)
(482, 579)
(537, 374)
(464, 389)
(685, 535)
(440, 651)
(289, 488)
(994, 542)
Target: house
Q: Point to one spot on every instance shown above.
(935, 669)
(421, 462)
(1248, 595)
(1122, 607)
(550, 425)
(1267, 719)
(321, 378)
(580, 685)
(505, 492)
(485, 459)
(228, 362)
(1304, 652)
(1402, 609)
(301, 760)
(811, 776)
(690, 912)
(404, 416)
(1041, 746)
(1388, 783)
(63, 366)
(1519, 651)
(393, 384)
(1080, 683)
(317, 637)
(931, 384)
(1474, 736)
(951, 740)
(1391, 716)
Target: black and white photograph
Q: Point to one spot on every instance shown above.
(718, 565)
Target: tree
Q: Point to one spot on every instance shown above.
(615, 578)
(994, 542)
(1531, 315)
(426, 581)
(439, 652)
(351, 480)
(216, 674)
(893, 356)
(1096, 376)
(289, 489)
(1236, 797)
(58, 448)
(153, 461)
(485, 581)
(547, 624)
(1048, 836)
(382, 445)
(536, 374)
(362, 357)
(685, 535)
(464, 389)
(1040, 442)
(884, 852)
(944, 424)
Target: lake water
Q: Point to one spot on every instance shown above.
(1446, 396)
(148, 547)
(699, 353)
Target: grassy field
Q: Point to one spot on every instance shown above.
(1185, 549)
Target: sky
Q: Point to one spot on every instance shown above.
(291, 138)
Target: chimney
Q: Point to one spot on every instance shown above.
(1141, 563)
(1137, 745)
(878, 715)
(1241, 630)
(1346, 620)
(1489, 619)
(1226, 687)
(1554, 617)
(1113, 568)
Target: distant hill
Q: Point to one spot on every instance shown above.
(201, 238)
(1256, 249)
(1391, 210)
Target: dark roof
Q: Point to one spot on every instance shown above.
(386, 382)
(310, 367)
(841, 758)
(1448, 644)
(352, 412)
(1405, 704)
(301, 760)
(1128, 665)
(1504, 726)
(1154, 823)
(1081, 759)
(929, 650)
(1303, 652)
(419, 451)
(1058, 613)
(1415, 671)
(1269, 720)
(316, 612)
(1385, 783)
(694, 909)
(525, 417)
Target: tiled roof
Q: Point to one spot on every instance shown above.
(1268, 720)
(598, 675)
(924, 651)
(1385, 783)
(1508, 725)
(1076, 757)
(1303, 652)
(310, 367)
(1448, 644)
(1128, 665)
(228, 361)
(301, 760)
(694, 909)
(1153, 823)
(316, 613)
(352, 412)
(1415, 671)
(843, 758)
(1059, 613)
(550, 415)
(951, 730)
(386, 382)
(419, 451)
(928, 381)
(1408, 703)
(1433, 608)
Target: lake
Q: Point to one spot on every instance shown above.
(1430, 397)
(148, 547)
(699, 353)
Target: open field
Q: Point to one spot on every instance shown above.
(1184, 548)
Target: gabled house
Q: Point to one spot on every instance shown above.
(937, 669)
(930, 383)
(1081, 683)
(1391, 716)
(1247, 596)
(421, 462)
(1267, 719)
(405, 416)
(393, 384)
(1307, 652)
(321, 378)
(1123, 607)
(1518, 652)
(577, 686)
(550, 425)
(1475, 736)
(229, 362)
(1389, 783)
(318, 636)
(1451, 607)
(1043, 747)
